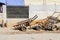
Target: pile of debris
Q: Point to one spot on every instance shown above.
(49, 23)
(23, 25)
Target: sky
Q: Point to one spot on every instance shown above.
(13, 2)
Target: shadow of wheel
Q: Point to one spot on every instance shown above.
(37, 28)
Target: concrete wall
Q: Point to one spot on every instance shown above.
(13, 21)
(42, 11)
(34, 8)
(39, 2)
(10, 21)
(42, 8)
(33, 2)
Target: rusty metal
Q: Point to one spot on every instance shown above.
(24, 24)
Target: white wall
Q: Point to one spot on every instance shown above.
(33, 2)
(37, 7)
(41, 11)
(39, 2)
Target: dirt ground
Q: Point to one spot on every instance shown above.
(10, 31)
(9, 34)
(43, 36)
